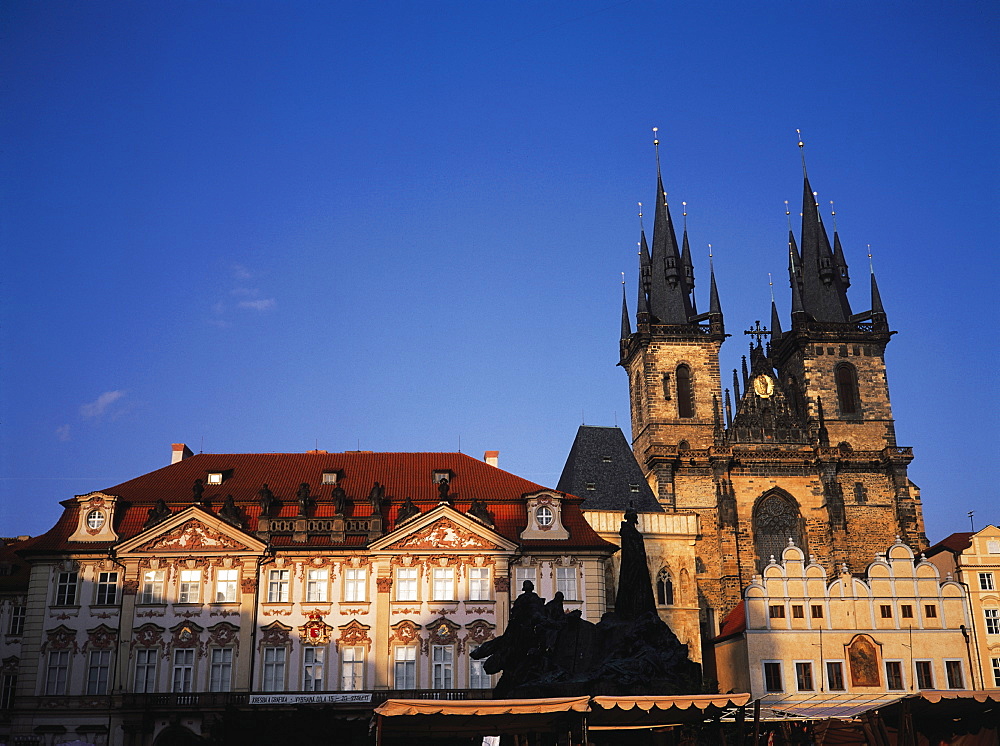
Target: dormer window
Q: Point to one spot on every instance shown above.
(95, 519)
(215, 477)
(442, 476)
(544, 516)
(329, 477)
(606, 459)
(591, 485)
(633, 488)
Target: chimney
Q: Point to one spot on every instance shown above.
(179, 453)
(492, 458)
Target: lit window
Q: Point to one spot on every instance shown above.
(406, 584)
(215, 477)
(804, 677)
(183, 679)
(57, 672)
(99, 665)
(152, 587)
(354, 584)
(992, 617)
(478, 678)
(925, 675)
(442, 476)
(66, 589)
(316, 585)
(953, 670)
(405, 670)
(221, 674)
(145, 670)
(633, 488)
(894, 675)
(107, 588)
(664, 588)
(444, 584)
(274, 669)
(352, 663)
(442, 657)
(16, 625)
(566, 582)
(479, 584)
(772, 676)
(225, 586)
(95, 519)
(312, 669)
(189, 590)
(544, 516)
(835, 676)
(986, 581)
(589, 486)
(522, 574)
(329, 477)
(277, 587)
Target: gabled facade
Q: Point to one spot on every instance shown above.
(973, 559)
(800, 445)
(898, 628)
(261, 580)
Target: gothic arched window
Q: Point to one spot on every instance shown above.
(847, 389)
(685, 392)
(776, 519)
(664, 588)
(637, 397)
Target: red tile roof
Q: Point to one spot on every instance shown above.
(955, 543)
(401, 474)
(734, 623)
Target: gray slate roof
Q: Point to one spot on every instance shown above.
(601, 469)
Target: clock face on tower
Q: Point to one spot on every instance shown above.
(763, 385)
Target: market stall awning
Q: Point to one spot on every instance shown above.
(652, 711)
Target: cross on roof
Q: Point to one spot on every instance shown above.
(758, 331)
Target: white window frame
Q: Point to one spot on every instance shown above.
(902, 674)
(443, 584)
(67, 587)
(916, 676)
(478, 678)
(313, 668)
(98, 671)
(479, 584)
(317, 585)
(355, 583)
(545, 516)
(352, 668)
(182, 672)
(404, 668)
(826, 673)
(226, 585)
(15, 626)
(442, 666)
(189, 587)
(214, 477)
(567, 581)
(220, 677)
(153, 585)
(274, 668)
(277, 586)
(781, 676)
(407, 579)
(950, 664)
(95, 519)
(986, 581)
(808, 668)
(57, 672)
(329, 477)
(520, 575)
(146, 662)
(992, 619)
(995, 663)
(107, 589)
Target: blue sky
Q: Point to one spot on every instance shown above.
(272, 226)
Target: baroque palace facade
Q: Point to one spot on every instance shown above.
(156, 606)
(801, 446)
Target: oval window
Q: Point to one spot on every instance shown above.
(544, 516)
(95, 519)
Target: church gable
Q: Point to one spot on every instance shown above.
(443, 529)
(192, 531)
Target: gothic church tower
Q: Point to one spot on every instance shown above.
(803, 447)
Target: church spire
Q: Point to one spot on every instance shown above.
(839, 262)
(775, 319)
(642, 303)
(668, 292)
(878, 311)
(687, 266)
(626, 326)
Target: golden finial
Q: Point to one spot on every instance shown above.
(684, 207)
(816, 199)
(710, 260)
(656, 147)
(623, 279)
(871, 267)
(788, 216)
(770, 283)
(641, 228)
(802, 152)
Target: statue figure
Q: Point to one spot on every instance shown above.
(304, 499)
(406, 511)
(230, 512)
(375, 497)
(339, 500)
(443, 487)
(266, 499)
(635, 592)
(197, 490)
(480, 512)
(157, 514)
(515, 652)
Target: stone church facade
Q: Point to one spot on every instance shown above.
(800, 444)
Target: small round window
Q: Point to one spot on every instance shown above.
(95, 519)
(544, 516)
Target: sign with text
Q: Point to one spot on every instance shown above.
(309, 699)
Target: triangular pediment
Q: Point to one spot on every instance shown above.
(443, 529)
(192, 531)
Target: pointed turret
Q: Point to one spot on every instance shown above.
(626, 326)
(642, 305)
(839, 262)
(775, 322)
(686, 265)
(669, 295)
